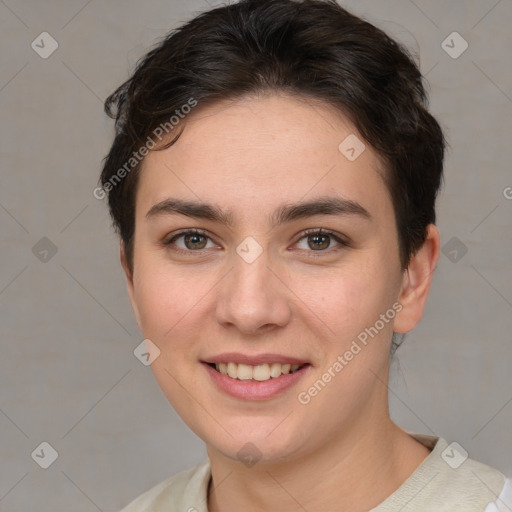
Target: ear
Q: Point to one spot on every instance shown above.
(416, 282)
(129, 282)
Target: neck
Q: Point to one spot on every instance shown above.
(357, 472)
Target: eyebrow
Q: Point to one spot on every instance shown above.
(326, 205)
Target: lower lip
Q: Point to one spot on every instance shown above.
(253, 389)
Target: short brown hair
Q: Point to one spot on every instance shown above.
(309, 47)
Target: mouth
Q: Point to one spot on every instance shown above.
(260, 372)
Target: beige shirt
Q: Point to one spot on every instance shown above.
(446, 481)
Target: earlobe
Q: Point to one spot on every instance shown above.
(416, 282)
(129, 282)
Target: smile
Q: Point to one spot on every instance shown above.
(260, 372)
(262, 381)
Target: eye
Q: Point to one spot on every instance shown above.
(194, 240)
(318, 240)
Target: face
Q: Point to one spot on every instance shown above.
(258, 283)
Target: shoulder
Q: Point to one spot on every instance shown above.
(503, 502)
(467, 484)
(448, 480)
(186, 490)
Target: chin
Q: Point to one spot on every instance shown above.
(249, 448)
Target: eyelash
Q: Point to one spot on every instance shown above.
(304, 234)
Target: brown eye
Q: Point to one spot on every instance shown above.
(193, 241)
(319, 240)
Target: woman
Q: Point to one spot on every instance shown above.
(273, 180)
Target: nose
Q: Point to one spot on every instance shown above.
(253, 297)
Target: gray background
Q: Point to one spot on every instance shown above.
(68, 375)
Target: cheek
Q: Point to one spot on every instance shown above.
(342, 306)
(163, 300)
(172, 305)
(350, 299)
(167, 303)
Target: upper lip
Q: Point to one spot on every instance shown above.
(237, 357)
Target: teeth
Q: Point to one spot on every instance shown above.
(275, 370)
(244, 372)
(260, 372)
(231, 370)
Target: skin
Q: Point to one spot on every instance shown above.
(341, 451)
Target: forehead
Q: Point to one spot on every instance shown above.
(253, 153)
